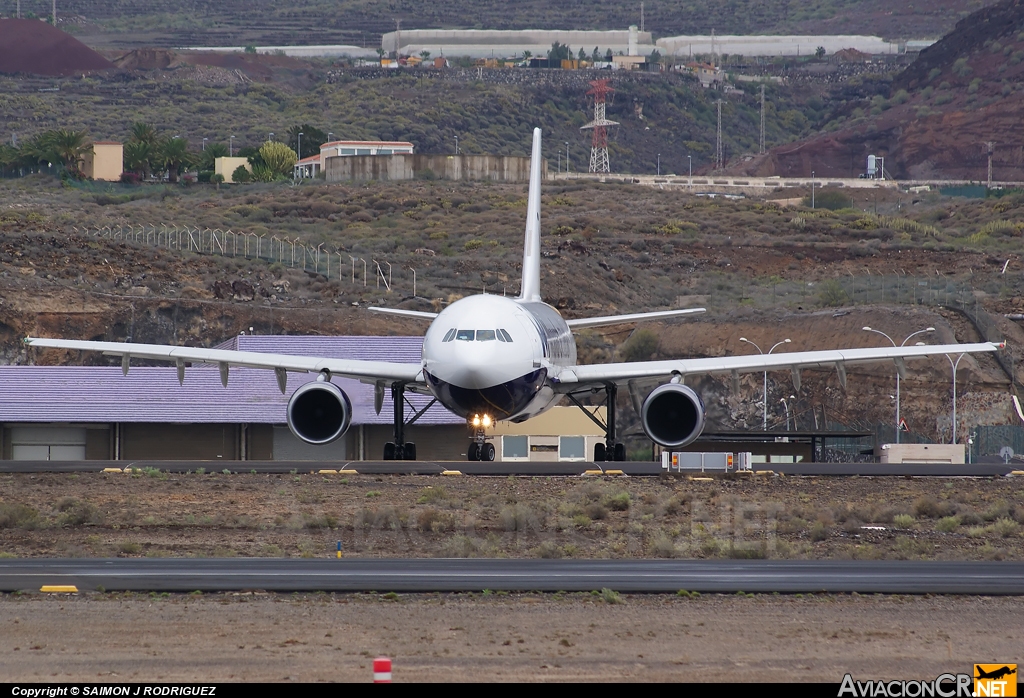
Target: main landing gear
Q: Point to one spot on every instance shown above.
(400, 449)
(480, 449)
(611, 449)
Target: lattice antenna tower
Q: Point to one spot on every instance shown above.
(718, 145)
(599, 126)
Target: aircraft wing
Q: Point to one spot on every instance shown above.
(747, 363)
(606, 320)
(366, 371)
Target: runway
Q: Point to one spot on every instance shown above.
(500, 469)
(475, 575)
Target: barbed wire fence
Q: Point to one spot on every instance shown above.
(294, 253)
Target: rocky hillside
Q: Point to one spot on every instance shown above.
(963, 92)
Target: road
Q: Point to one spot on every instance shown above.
(632, 468)
(462, 575)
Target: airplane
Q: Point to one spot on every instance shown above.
(995, 673)
(488, 358)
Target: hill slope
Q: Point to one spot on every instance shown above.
(960, 94)
(31, 46)
(361, 22)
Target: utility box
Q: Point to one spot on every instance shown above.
(697, 462)
(921, 453)
(743, 461)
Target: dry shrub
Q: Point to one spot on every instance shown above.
(928, 508)
(549, 550)
(17, 515)
(664, 546)
(518, 517)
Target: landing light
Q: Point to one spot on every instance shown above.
(484, 421)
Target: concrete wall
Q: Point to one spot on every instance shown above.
(226, 166)
(496, 168)
(105, 162)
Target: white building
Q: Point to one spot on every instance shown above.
(314, 164)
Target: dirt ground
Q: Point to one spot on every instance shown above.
(576, 637)
(255, 636)
(156, 514)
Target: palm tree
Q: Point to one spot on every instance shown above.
(67, 147)
(138, 158)
(144, 133)
(210, 155)
(174, 155)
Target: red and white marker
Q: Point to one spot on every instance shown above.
(382, 670)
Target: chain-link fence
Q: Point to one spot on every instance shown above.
(990, 440)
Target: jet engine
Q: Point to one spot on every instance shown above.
(319, 412)
(672, 415)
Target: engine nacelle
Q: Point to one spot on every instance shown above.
(672, 415)
(319, 412)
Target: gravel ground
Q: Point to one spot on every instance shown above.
(497, 637)
(213, 515)
(575, 637)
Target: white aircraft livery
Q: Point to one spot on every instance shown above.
(490, 358)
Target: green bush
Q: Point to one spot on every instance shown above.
(641, 346)
(829, 199)
(832, 294)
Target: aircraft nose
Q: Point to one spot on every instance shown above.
(473, 366)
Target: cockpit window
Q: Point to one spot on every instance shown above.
(485, 336)
(505, 336)
(449, 336)
(465, 335)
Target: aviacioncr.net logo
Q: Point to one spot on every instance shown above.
(943, 686)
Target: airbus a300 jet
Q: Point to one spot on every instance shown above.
(489, 358)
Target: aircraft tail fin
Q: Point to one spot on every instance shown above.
(531, 252)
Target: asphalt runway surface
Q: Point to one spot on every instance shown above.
(464, 575)
(632, 468)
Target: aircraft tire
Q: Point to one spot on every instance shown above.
(620, 452)
(599, 452)
(487, 452)
(474, 452)
(389, 451)
(410, 450)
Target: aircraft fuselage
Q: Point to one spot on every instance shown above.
(492, 355)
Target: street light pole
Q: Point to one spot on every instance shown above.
(812, 190)
(567, 158)
(903, 343)
(231, 146)
(786, 405)
(764, 399)
(659, 164)
(689, 159)
(954, 367)
(456, 145)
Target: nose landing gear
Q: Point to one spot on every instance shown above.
(480, 449)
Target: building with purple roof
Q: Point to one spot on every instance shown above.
(96, 413)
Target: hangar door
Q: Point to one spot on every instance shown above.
(288, 447)
(48, 443)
